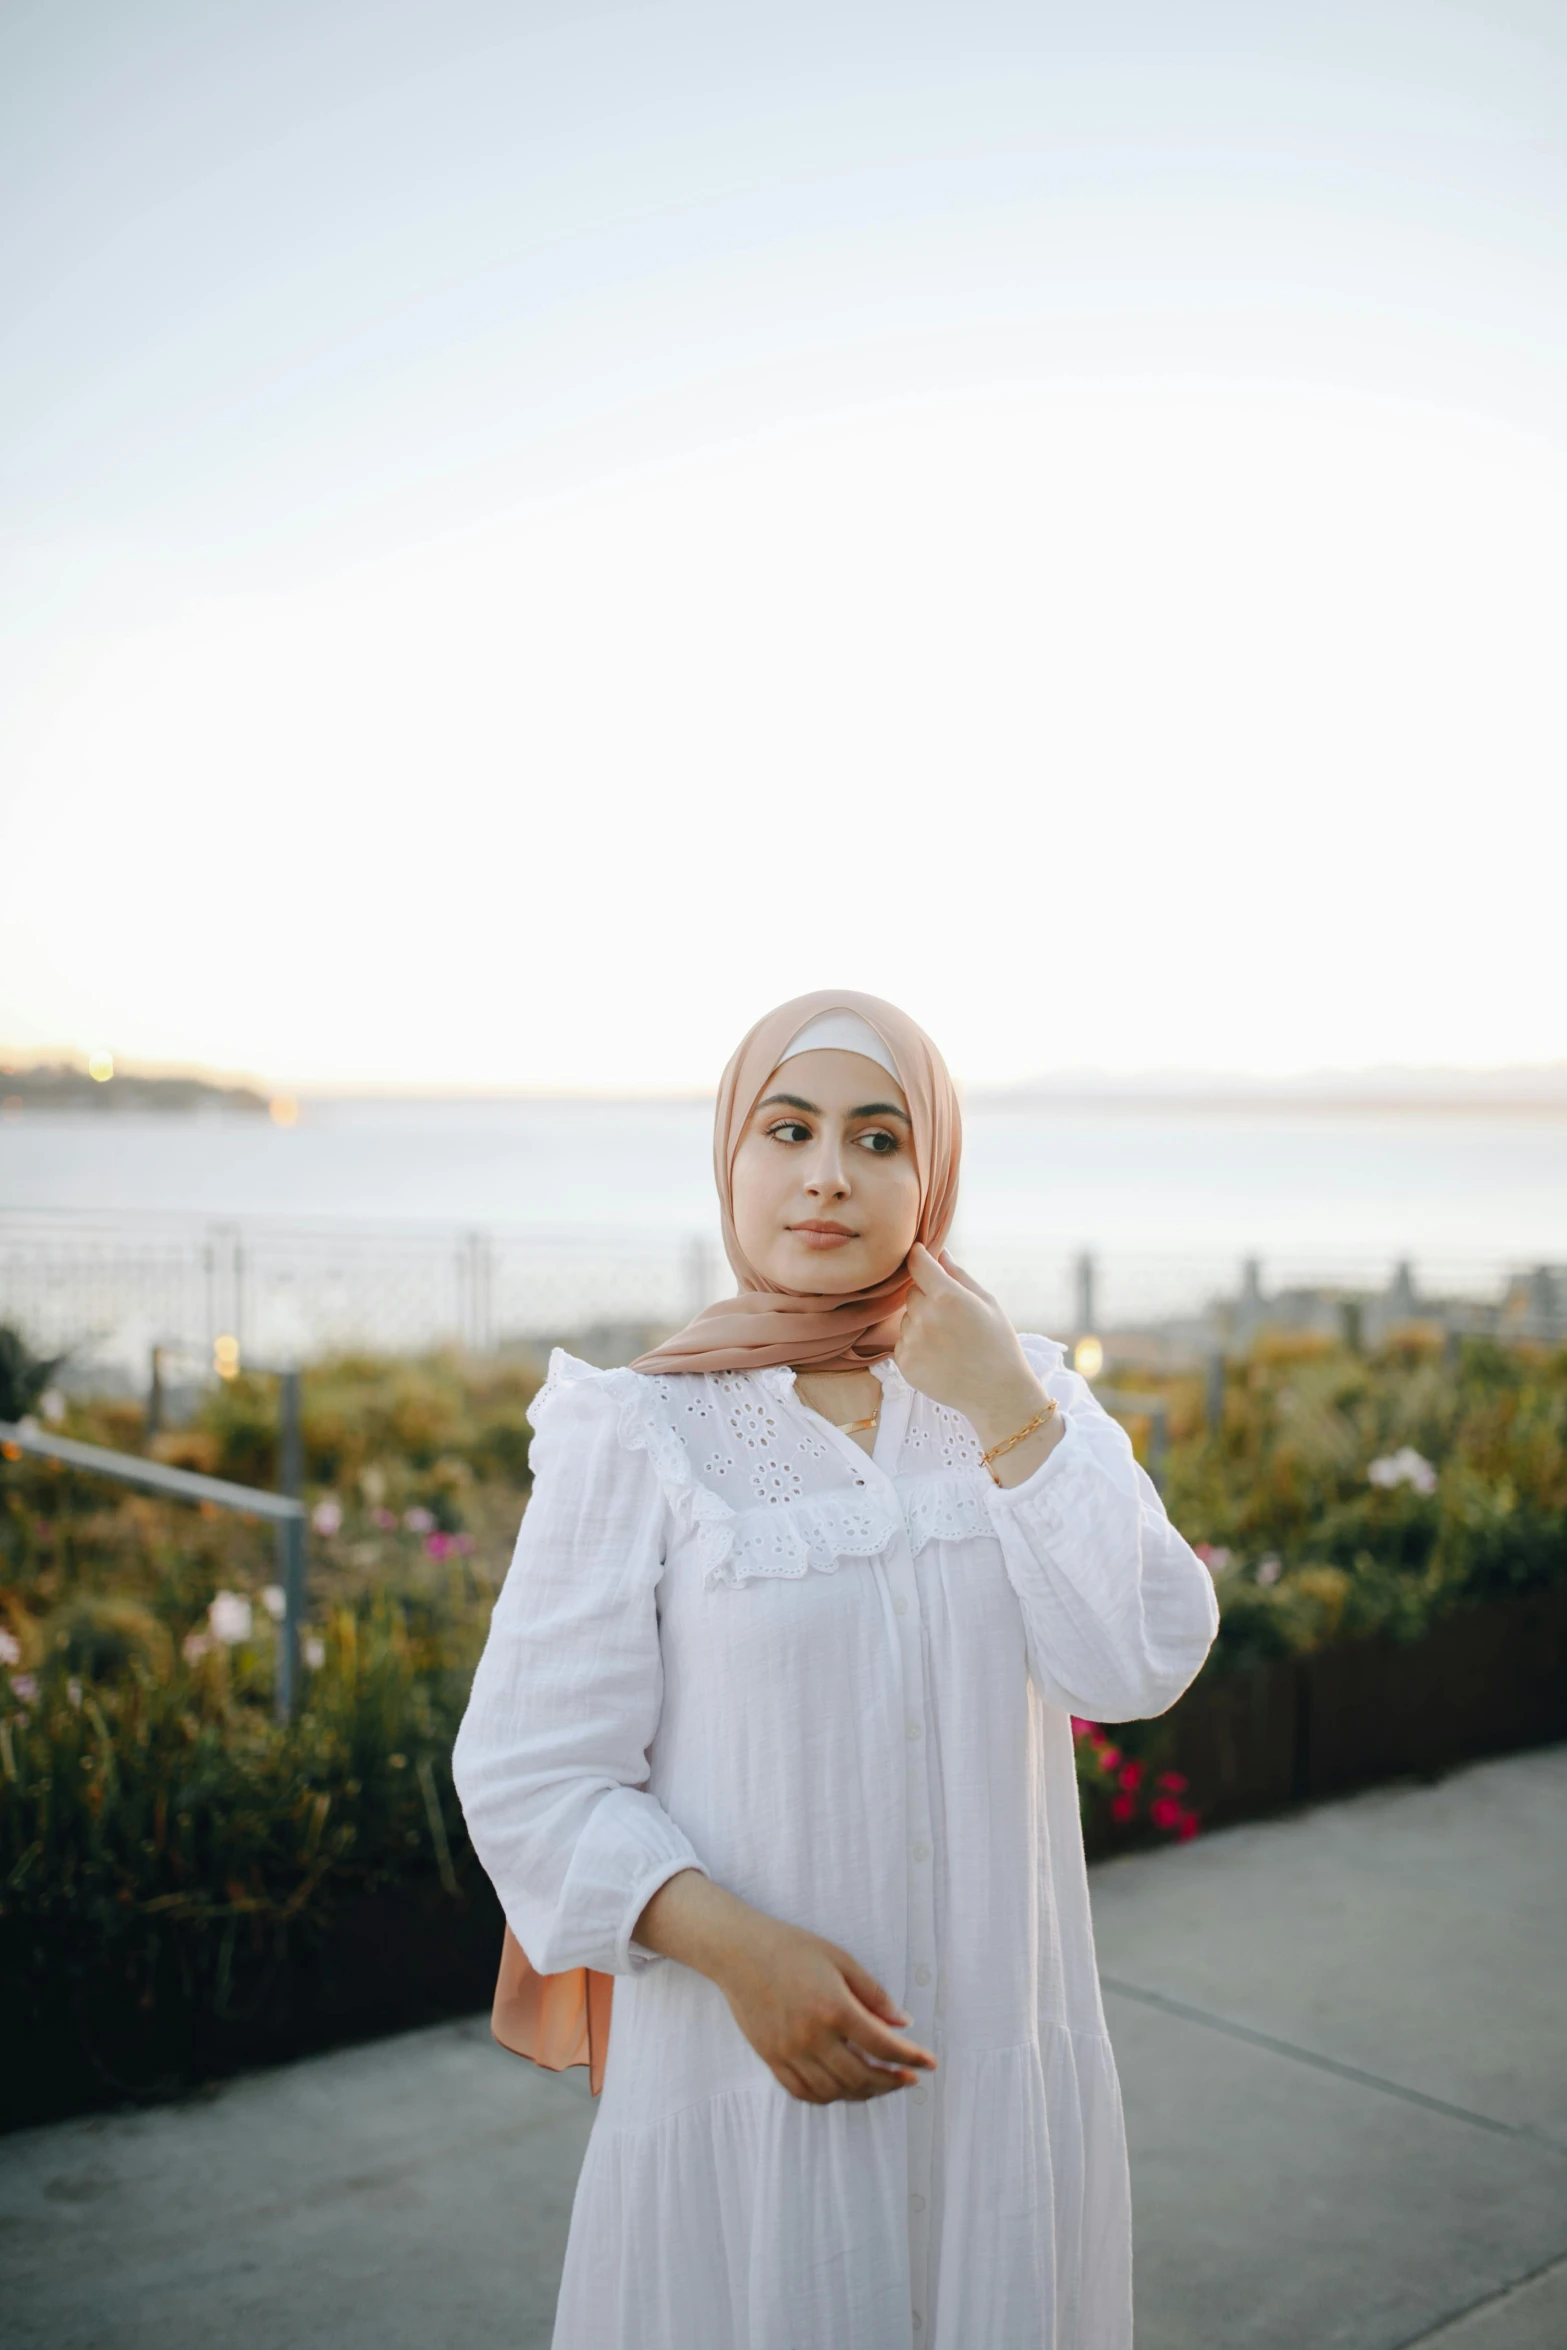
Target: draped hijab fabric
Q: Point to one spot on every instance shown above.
(558, 2021)
(764, 1324)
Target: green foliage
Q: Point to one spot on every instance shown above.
(1308, 1548)
(23, 1375)
(162, 1835)
(168, 1828)
(416, 1420)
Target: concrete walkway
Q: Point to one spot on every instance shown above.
(1342, 2040)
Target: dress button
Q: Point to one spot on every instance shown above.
(922, 1974)
(920, 2096)
(900, 1606)
(922, 1852)
(915, 1731)
(916, 2203)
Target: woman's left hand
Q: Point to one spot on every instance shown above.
(957, 1346)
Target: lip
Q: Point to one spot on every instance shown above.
(823, 1234)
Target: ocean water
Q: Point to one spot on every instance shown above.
(1352, 1188)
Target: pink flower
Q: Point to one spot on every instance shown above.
(437, 1546)
(418, 1521)
(462, 1544)
(1165, 1812)
(1123, 1807)
(385, 1519)
(1131, 1775)
(1082, 1729)
(1175, 1781)
(25, 1685)
(1188, 1827)
(1109, 1755)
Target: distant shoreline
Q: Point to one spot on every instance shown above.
(1258, 1105)
(58, 1090)
(170, 1099)
(59, 1087)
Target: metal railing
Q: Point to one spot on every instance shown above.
(284, 1511)
(297, 1289)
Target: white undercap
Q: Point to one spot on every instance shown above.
(840, 1032)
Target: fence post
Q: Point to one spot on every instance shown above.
(155, 1393)
(1216, 1393)
(484, 1278)
(698, 1274)
(1083, 1271)
(1249, 1312)
(290, 1546)
(1158, 1442)
(474, 1284)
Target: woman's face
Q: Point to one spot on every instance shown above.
(825, 1190)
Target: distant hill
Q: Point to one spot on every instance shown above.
(59, 1086)
(1534, 1090)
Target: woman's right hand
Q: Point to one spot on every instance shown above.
(816, 2017)
(821, 2023)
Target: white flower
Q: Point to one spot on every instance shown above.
(273, 1600)
(313, 1649)
(10, 1649)
(417, 1520)
(1268, 1569)
(230, 1617)
(327, 1516)
(1404, 1467)
(195, 1646)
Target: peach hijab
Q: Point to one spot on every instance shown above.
(764, 1325)
(562, 2020)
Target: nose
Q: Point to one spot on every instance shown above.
(825, 1177)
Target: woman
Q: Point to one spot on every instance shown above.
(773, 1728)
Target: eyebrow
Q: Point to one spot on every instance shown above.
(794, 1101)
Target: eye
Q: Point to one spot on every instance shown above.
(789, 1130)
(879, 1141)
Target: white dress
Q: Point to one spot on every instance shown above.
(841, 1686)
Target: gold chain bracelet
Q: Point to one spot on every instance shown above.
(1007, 1442)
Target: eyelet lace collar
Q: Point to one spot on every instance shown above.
(763, 1493)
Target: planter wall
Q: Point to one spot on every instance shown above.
(1487, 1680)
(390, 1961)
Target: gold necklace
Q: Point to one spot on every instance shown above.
(855, 1427)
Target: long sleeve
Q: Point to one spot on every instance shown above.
(551, 1760)
(1118, 1609)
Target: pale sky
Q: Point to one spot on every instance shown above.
(533, 532)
